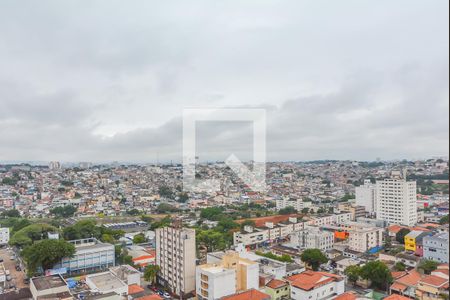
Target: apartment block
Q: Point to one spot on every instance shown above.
(363, 237)
(233, 274)
(436, 247)
(366, 195)
(176, 256)
(312, 238)
(250, 236)
(397, 201)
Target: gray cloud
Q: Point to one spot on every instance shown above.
(108, 80)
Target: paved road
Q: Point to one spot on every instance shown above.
(17, 276)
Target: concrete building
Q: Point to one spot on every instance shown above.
(90, 255)
(335, 219)
(278, 289)
(176, 256)
(233, 274)
(49, 287)
(366, 195)
(250, 236)
(312, 238)
(397, 201)
(298, 204)
(363, 237)
(316, 285)
(436, 247)
(4, 236)
(105, 283)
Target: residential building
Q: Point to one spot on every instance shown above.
(250, 236)
(315, 285)
(176, 256)
(327, 220)
(248, 295)
(366, 196)
(413, 241)
(278, 289)
(397, 201)
(4, 236)
(312, 237)
(432, 287)
(363, 237)
(105, 283)
(233, 274)
(405, 283)
(90, 255)
(298, 203)
(436, 247)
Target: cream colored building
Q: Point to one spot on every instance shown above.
(176, 256)
(363, 237)
(233, 274)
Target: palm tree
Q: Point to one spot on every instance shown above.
(150, 273)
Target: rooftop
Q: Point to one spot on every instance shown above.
(48, 282)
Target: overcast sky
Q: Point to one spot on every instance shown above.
(108, 80)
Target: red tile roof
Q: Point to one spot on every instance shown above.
(434, 280)
(248, 295)
(276, 284)
(396, 297)
(346, 296)
(308, 280)
(150, 297)
(135, 289)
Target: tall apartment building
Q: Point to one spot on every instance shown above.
(366, 195)
(176, 256)
(436, 247)
(233, 274)
(4, 236)
(312, 238)
(90, 255)
(397, 201)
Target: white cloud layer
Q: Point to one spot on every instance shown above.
(108, 80)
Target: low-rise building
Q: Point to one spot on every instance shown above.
(436, 247)
(278, 289)
(312, 237)
(49, 287)
(4, 236)
(90, 255)
(233, 274)
(315, 285)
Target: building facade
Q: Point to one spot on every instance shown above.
(4, 236)
(90, 255)
(176, 256)
(436, 247)
(397, 201)
(312, 238)
(366, 195)
(233, 274)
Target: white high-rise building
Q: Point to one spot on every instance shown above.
(176, 256)
(397, 201)
(366, 195)
(312, 238)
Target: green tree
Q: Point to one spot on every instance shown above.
(133, 212)
(9, 181)
(11, 213)
(212, 213)
(166, 221)
(150, 273)
(378, 273)
(31, 233)
(164, 208)
(314, 258)
(400, 236)
(107, 238)
(444, 220)
(139, 238)
(46, 253)
(353, 273)
(428, 266)
(183, 197)
(165, 191)
(211, 239)
(287, 211)
(399, 266)
(63, 211)
(305, 210)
